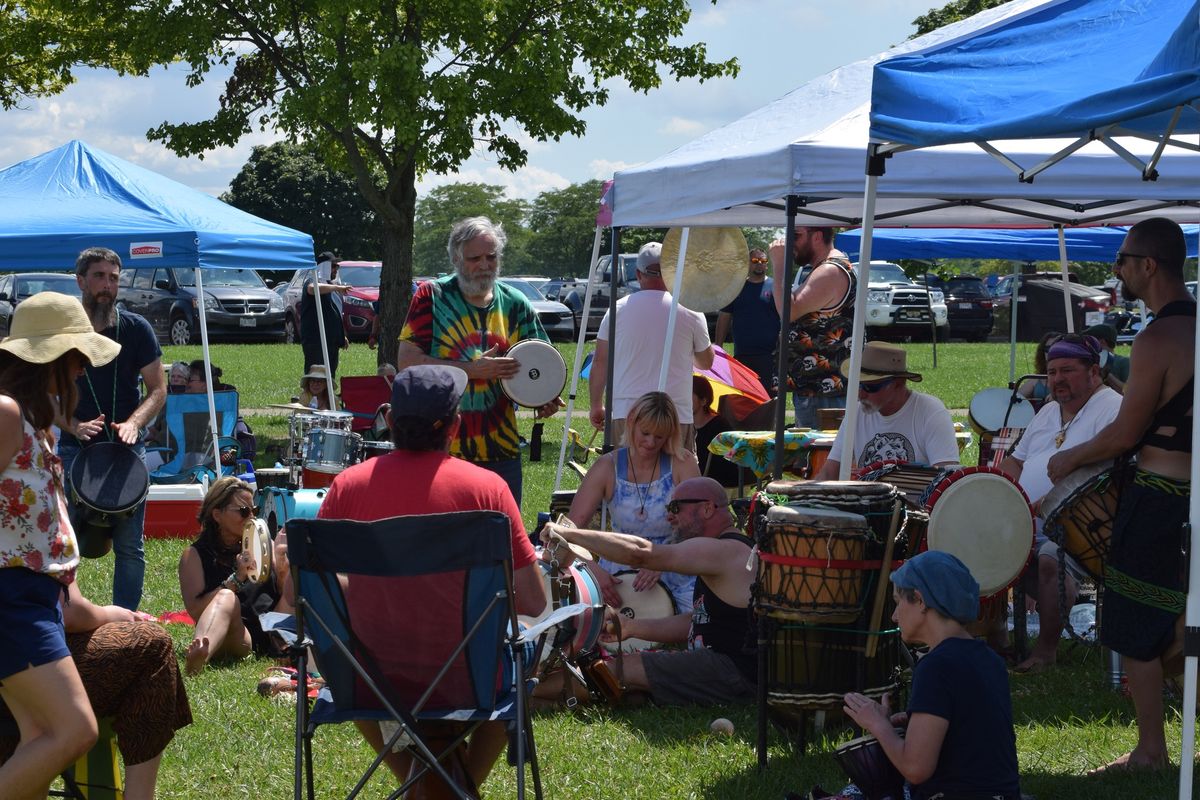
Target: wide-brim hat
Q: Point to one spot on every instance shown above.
(49, 324)
(881, 361)
(316, 371)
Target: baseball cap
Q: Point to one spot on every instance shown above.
(328, 256)
(649, 257)
(428, 391)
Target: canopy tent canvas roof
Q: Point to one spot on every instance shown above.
(1014, 244)
(811, 143)
(74, 197)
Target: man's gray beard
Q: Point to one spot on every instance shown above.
(476, 286)
(102, 313)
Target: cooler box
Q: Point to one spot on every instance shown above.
(171, 510)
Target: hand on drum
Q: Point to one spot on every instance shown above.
(1061, 465)
(645, 579)
(867, 714)
(551, 408)
(245, 565)
(608, 591)
(490, 367)
(86, 429)
(127, 432)
(612, 618)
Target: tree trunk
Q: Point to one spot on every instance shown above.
(395, 280)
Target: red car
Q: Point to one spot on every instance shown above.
(358, 308)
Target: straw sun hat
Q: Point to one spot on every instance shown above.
(50, 324)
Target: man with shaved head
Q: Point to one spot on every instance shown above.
(719, 664)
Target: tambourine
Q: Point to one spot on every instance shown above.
(256, 540)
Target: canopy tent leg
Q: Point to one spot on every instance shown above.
(612, 338)
(860, 316)
(781, 363)
(1066, 292)
(1191, 635)
(329, 391)
(666, 361)
(212, 406)
(1012, 327)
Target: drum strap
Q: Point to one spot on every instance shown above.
(112, 418)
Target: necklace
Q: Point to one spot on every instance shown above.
(642, 495)
(1061, 436)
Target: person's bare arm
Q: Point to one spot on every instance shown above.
(330, 288)
(700, 556)
(824, 287)
(595, 488)
(724, 321)
(916, 754)
(829, 471)
(597, 379)
(667, 630)
(10, 430)
(1012, 467)
(156, 394)
(704, 358)
(530, 590)
(488, 366)
(81, 615)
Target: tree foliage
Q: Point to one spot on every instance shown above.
(389, 89)
(290, 184)
(563, 225)
(444, 205)
(951, 12)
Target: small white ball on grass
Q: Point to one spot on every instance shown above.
(722, 726)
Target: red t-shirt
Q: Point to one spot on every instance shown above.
(404, 483)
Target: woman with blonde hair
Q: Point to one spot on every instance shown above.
(214, 579)
(635, 481)
(50, 342)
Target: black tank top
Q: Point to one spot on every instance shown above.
(1177, 412)
(724, 628)
(258, 598)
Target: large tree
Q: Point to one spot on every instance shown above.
(291, 184)
(438, 210)
(389, 89)
(563, 225)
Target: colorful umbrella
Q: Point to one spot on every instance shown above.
(730, 376)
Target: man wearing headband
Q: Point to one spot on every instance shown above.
(1145, 577)
(894, 423)
(421, 477)
(1079, 407)
(470, 320)
(959, 740)
(113, 408)
(716, 667)
(754, 320)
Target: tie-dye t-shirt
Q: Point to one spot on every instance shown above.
(444, 325)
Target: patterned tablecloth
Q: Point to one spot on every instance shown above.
(755, 450)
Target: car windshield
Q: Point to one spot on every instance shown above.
(966, 287)
(243, 278)
(524, 288)
(360, 276)
(888, 273)
(63, 284)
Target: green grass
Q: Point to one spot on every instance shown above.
(1067, 719)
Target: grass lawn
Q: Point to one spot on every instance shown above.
(1067, 719)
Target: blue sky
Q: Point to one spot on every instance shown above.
(780, 44)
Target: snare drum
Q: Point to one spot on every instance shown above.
(982, 516)
(542, 376)
(875, 501)
(575, 584)
(653, 603)
(331, 450)
(108, 483)
(810, 565)
(1079, 513)
(993, 409)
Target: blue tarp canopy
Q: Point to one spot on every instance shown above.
(1056, 68)
(1015, 244)
(54, 205)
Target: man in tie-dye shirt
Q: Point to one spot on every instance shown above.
(469, 320)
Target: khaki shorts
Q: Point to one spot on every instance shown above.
(695, 677)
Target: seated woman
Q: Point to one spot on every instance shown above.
(708, 424)
(213, 578)
(314, 389)
(158, 437)
(959, 739)
(636, 481)
(1038, 391)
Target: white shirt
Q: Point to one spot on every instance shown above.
(641, 341)
(921, 432)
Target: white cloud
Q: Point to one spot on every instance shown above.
(527, 182)
(604, 169)
(710, 17)
(681, 126)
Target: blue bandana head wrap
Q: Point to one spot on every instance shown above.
(944, 582)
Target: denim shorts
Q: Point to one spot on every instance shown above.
(31, 624)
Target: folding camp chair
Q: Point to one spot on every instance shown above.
(461, 663)
(189, 437)
(362, 395)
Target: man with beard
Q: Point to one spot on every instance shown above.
(754, 320)
(469, 320)
(822, 316)
(1078, 407)
(893, 422)
(112, 406)
(719, 665)
(1145, 578)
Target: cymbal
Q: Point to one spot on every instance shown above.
(289, 406)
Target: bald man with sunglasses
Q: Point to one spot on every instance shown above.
(719, 664)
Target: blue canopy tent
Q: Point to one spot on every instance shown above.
(1015, 244)
(57, 204)
(1015, 79)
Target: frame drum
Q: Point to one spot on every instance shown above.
(993, 409)
(108, 481)
(542, 375)
(654, 603)
(256, 540)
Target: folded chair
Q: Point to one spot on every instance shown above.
(448, 605)
(189, 437)
(362, 395)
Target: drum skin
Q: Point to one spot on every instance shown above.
(653, 603)
(990, 411)
(542, 376)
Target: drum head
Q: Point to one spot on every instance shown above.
(1053, 500)
(256, 540)
(990, 411)
(542, 376)
(984, 519)
(654, 603)
(109, 477)
(816, 517)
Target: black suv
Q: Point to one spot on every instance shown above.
(968, 305)
(237, 304)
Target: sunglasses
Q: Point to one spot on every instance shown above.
(876, 386)
(758, 260)
(674, 505)
(1120, 260)
(246, 511)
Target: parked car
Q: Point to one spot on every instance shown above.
(898, 307)
(23, 285)
(538, 282)
(557, 320)
(572, 292)
(1040, 303)
(358, 306)
(968, 305)
(237, 304)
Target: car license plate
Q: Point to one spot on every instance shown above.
(912, 314)
(247, 322)
(965, 306)
(1091, 318)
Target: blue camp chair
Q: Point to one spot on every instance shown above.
(475, 675)
(188, 435)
